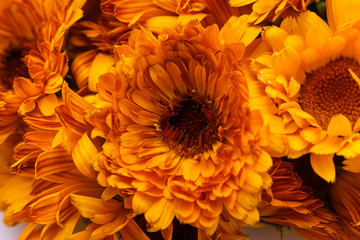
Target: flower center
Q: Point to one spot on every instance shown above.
(190, 125)
(332, 90)
(12, 65)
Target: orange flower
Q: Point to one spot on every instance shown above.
(307, 72)
(344, 197)
(60, 188)
(32, 62)
(264, 10)
(291, 202)
(180, 137)
(156, 15)
(98, 38)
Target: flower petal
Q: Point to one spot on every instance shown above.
(324, 166)
(339, 125)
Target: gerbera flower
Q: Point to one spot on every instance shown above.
(292, 201)
(181, 139)
(264, 10)
(310, 73)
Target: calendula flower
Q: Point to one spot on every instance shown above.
(344, 197)
(60, 191)
(291, 202)
(32, 62)
(264, 10)
(309, 72)
(181, 139)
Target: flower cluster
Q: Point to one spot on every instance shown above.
(175, 119)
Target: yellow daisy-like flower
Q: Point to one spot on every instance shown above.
(309, 70)
(265, 10)
(181, 139)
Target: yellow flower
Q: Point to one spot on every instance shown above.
(309, 72)
(290, 201)
(265, 10)
(180, 138)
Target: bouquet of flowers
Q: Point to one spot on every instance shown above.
(174, 119)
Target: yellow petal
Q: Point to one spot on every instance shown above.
(297, 142)
(342, 12)
(141, 202)
(355, 77)
(183, 208)
(239, 3)
(329, 145)
(339, 125)
(100, 65)
(133, 231)
(158, 23)
(47, 104)
(276, 36)
(207, 167)
(52, 162)
(352, 164)
(238, 29)
(323, 165)
(162, 80)
(175, 75)
(82, 154)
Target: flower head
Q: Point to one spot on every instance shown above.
(309, 72)
(32, 61)
(293, 201)
(181, 139)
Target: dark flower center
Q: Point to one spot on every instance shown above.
(190, 125)
(12, 65)
(332, 90)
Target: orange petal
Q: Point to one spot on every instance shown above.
(162, 79)
(238, 29)
(339, 125)
(47, 104)
(100, 65)
(342, 12)
(352, 164)
(133, 231)
(329, 145)
(324, 166)
(141, 202)
(83, 152)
